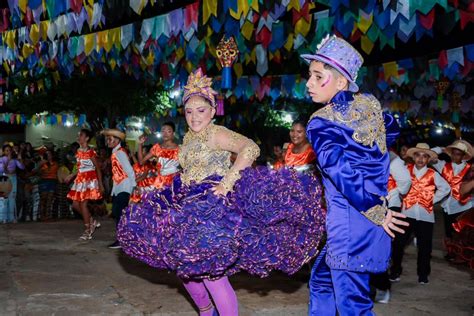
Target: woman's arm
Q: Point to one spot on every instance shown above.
(246, 149)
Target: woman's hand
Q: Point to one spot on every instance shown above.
(219, 190)
(141, 140)
(392, 222)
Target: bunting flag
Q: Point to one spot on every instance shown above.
(62, 119)
(168, 47)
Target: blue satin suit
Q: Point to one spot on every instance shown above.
(354, 163)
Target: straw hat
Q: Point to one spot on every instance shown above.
(461, 145)
(424, 148)
(114, 132)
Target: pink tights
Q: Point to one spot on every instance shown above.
(222, 294)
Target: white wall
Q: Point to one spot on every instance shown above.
(58, 135)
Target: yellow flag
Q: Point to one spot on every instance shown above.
(247, 30)
(289, 42)
(238, 70)
(209, 7)
(40, 85)
(114, 37)
(101, 39)
(150, 58)
(364, 24)
(27, 50)
(34, 33)
(59, 118)
(22, 5)
(44, 25)
(294, 4)
(6, 67)
(366, 44)
(89, 43)
(302, 27)
(390, 70)
(10, 37)
(112, 63)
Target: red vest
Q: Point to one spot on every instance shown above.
(118, 174)
(455, 181)
(422, 190)
(392, 184)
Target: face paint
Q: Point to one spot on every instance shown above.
(326, 82)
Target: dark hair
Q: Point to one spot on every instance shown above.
(299, 122)
(87, 132)
(170, 124)
(6, 145)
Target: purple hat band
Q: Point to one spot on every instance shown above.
(330, 60)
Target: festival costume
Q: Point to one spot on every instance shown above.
(167, 166)
(455, 204)
(427, 188)
(86, 185)
(148, 171)
(268, 220)
(399, 183)
(259, 227)
(350, 136)
(302, 162)
(461, 245)
(123, 178)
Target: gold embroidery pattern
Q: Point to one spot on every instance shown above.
(376, 214)
(198, 159)
(364, 116)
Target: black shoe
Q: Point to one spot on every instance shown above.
(450, 257)
(394, 277)
(114, 245)
(423, 280)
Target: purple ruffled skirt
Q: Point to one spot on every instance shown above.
(272, 221)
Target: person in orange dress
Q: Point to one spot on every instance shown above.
(87, 184)
(300, 154)
(166, 153)
(145, 176)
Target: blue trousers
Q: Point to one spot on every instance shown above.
(341, 291)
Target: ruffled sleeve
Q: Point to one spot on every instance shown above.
(246, 149)
(328, 143)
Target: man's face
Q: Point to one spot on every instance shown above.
(457, 155)
(421, 159)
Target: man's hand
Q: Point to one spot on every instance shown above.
(392, 222)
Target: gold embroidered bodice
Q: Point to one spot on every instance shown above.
(208, 152)
(364, 116)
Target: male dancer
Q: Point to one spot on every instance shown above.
(350, 136)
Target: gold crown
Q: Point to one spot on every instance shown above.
(201, 85)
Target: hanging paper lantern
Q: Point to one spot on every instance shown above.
(441, 87)
(227, 52)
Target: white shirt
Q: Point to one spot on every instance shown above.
(402, 177)
(417, 211)
(128, 183)
(451, 205)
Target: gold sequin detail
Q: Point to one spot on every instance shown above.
(364, 116)
(377, 213)
(200, 157)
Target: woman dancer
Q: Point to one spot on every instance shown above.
(216, 220)
(300, 154)
(88, 183)
(145, 176)
(166, 153)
